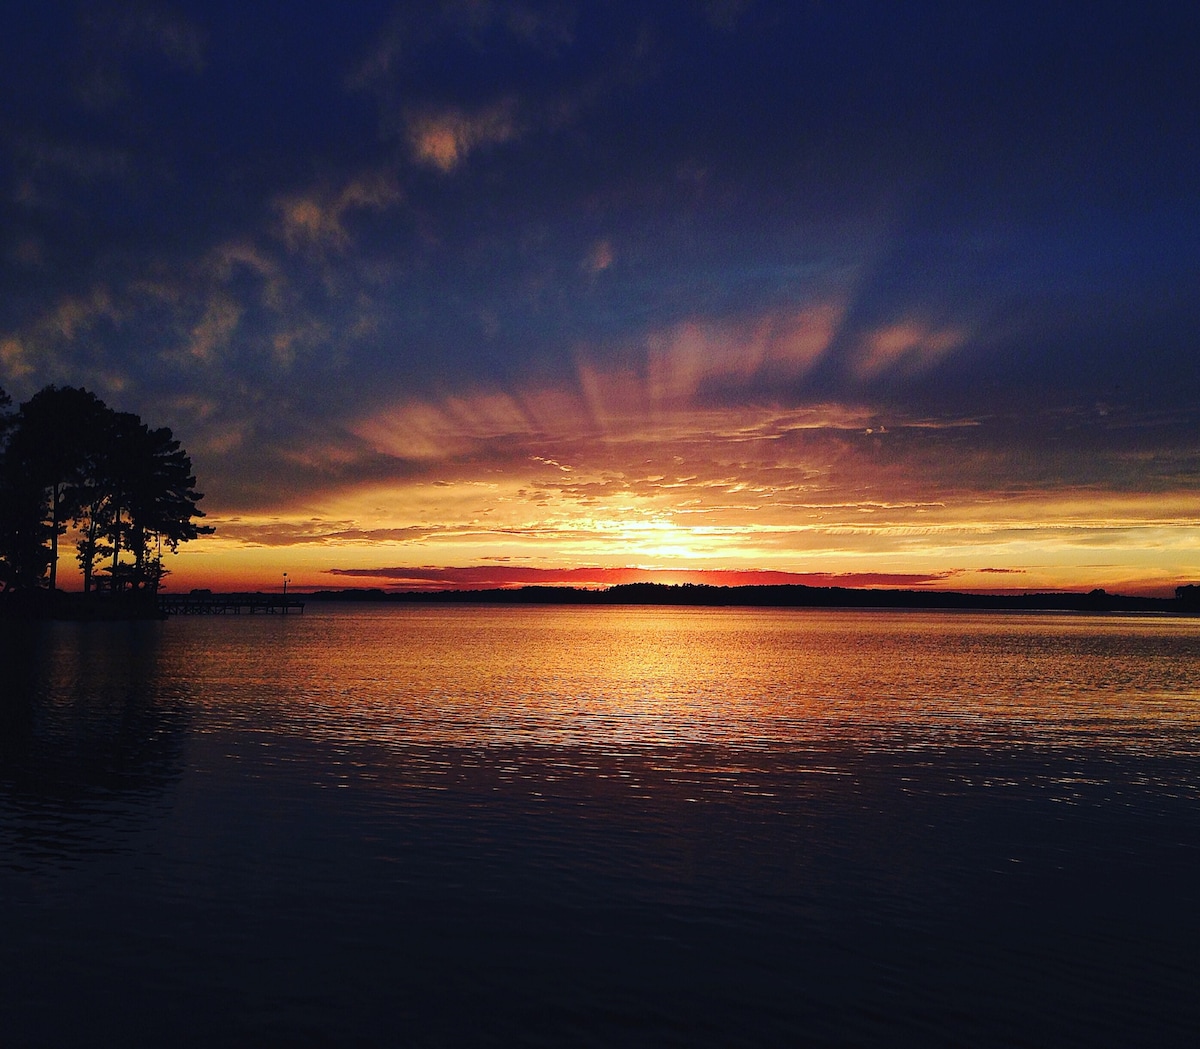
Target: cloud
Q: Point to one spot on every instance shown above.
(444, 118)
(505, 576)
(316, 219)
(908, 346)
(14, 359)
(443, 138)
(239, 295)
(212, 334)
(630, 464)
(767, 488)
(47, 344)
(277, 533)
(76, 315)
(702, 383)
(224, 263)
(600, 257)
(288, 342)
(787, 344)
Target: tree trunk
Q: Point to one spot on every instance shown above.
(54, 506)
(138, 539)
(89, 552)
(116, 544)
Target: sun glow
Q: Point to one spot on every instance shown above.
(659, 468)
(1124, 545)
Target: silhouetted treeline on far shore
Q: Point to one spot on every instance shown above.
(1187, 598)
(37, 605)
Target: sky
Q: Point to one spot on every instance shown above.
(481, 294)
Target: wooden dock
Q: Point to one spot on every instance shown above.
(228, 604)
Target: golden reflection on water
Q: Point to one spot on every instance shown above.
(651, 676)
(942, 816)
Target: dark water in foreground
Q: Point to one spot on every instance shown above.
(424, 826)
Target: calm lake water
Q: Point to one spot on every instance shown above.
(601, 826)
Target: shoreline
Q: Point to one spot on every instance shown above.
(138, 606)
(775, 596)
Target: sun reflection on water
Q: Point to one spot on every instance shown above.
(656, 677)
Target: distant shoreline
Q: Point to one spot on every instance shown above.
(41, 605)
(776, 596)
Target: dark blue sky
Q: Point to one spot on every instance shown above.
(284, 231)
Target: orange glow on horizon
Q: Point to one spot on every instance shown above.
(671, 470)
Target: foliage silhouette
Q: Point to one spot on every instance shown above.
(67, 458)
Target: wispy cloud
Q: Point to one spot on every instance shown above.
(687, 356)
(508, 575)
(38, 347)
(908, 346)
(276, 533)
(211, 336)
(600, 257)
(14, 359)
(317, 218)
(444, 138)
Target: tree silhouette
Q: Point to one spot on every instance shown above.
(53, 445)
(151, 498)
(24, 554)
(67, 457)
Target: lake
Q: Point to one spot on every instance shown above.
(433, 825)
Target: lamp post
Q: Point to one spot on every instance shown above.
(285, 593)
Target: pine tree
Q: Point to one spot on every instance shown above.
(55, 434)
(67, 457)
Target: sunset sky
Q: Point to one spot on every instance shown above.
(477, 293)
